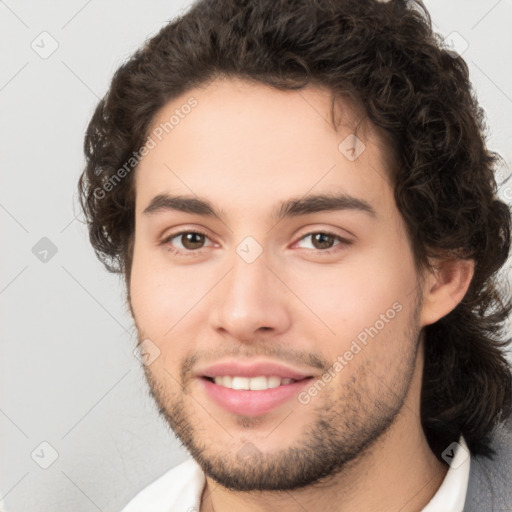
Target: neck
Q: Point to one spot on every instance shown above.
(399, 472)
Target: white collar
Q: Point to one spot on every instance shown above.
(451, 495)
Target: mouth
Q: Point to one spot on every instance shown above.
(253, 396)
(259, 383)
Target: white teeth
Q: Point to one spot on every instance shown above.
(252, 383)
(273, 382)
(240, 383)
(258, 383)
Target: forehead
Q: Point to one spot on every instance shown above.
(245, 141)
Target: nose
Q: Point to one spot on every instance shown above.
(250, 301)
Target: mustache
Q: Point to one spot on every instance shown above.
(255, 349)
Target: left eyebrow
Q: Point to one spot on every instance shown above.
(291, 208)
(321, 202)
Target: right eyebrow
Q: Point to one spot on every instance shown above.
(166, 202)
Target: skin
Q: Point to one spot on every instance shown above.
(358, 444)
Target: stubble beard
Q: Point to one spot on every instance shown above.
(345, 427)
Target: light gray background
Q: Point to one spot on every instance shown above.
(68, 376)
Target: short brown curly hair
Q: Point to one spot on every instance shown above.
(387, 59)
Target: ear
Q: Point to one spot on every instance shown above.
(444, 287)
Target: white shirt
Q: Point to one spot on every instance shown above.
(180, 489)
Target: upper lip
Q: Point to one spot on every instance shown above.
(252, 369)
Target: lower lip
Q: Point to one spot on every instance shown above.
(252, 403)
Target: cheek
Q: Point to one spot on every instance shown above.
(163, 295)
(158, 309)
(151, 296)
(353, 295)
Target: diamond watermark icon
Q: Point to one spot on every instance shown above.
(147, 352)
(351, 147)
(44, 45)
(44, 250)
(455, 455)
(44, 455)
(248, 450)
(249, 249)
(455, 44)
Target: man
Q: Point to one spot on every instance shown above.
(304, 209)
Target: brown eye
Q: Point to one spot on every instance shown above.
(192, 240)
(322, 240)
(187, 243)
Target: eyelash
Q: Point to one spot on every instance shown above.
(180, 252)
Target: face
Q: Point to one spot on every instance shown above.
(249, 281)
